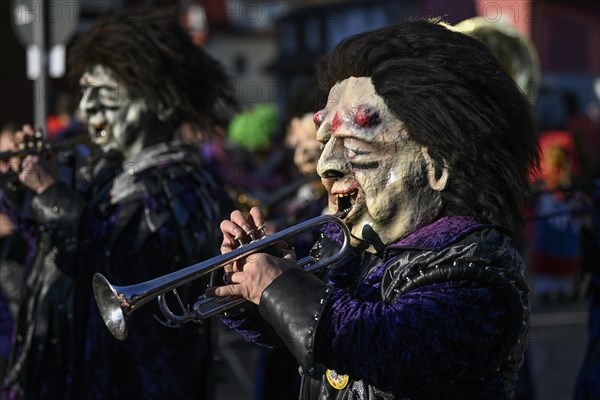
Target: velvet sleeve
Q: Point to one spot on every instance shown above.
(253, 328)
(428, 338)
(17, 213)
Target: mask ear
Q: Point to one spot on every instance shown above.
(437, 184)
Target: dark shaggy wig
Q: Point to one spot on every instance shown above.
(150, 53)
(456, 100)
(305, 98)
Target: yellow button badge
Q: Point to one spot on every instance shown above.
(336, 380)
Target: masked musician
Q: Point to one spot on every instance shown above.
(143, 209)
(426, 147)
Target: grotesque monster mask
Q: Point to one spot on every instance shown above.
(116, 119)
(385, 183)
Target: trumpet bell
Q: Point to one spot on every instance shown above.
(109, 306)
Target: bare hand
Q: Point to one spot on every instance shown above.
(6, 226)
(248, 277)
(259, 270)
(240, 230)
(35, 174)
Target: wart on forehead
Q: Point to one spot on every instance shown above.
(353, 94)
(355, 109)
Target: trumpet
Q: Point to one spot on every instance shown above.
(36, 144)
(117, 303)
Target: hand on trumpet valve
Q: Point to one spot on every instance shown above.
(21, 156)
(249, 276)
(240, 230)
(34, 171)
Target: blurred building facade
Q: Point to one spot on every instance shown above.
(268, 45)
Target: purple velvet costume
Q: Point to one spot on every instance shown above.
(133, 221)
(444, 338)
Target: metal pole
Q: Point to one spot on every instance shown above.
(40, 40)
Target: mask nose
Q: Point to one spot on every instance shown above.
(88, 105)
(332, 163)
(330, 172)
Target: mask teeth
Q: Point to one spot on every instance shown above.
(344, 202)
(100, 134)
(342, 214)
(100, 130)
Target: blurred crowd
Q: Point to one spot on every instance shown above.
(564, 204)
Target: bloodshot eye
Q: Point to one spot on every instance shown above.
(365, 117)
(318, 118)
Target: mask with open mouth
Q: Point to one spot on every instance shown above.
(376, 176)
(99, 133)
(114, 117)
(345, 202)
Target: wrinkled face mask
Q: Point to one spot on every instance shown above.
(114, 116)
(301, 136)
(383, 182)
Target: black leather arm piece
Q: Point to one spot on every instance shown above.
(13, 191)
(57, 210)
(292, 305)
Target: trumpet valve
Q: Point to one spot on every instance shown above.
(207, 307)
